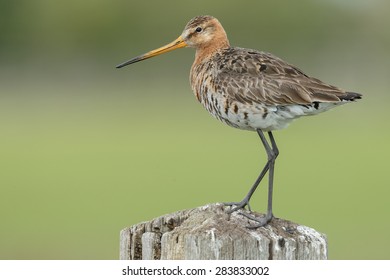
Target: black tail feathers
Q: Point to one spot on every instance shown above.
(351, 96)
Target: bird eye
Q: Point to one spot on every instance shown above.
(198, 29)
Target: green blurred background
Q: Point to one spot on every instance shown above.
(86, 149)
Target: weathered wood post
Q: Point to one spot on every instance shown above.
(207, 232)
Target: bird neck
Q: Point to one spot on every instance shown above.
(203, 52)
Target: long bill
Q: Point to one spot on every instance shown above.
(176, 44)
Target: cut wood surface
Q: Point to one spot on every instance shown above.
(208, 232)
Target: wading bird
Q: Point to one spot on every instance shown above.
(250, 89)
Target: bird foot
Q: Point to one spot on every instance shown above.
(260, 221)
(237, 206)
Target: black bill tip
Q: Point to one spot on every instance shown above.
(131, 61)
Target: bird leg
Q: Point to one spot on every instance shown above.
(272, 153)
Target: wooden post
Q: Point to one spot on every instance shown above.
(207, 232)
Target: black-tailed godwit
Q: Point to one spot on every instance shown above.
(250, 89)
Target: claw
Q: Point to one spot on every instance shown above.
(238, 206)
(261, 221)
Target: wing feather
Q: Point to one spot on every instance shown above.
(258, 77)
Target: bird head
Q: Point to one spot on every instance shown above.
(201, 32)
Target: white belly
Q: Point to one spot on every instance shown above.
(258, 116)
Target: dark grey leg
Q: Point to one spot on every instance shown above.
(272, 153)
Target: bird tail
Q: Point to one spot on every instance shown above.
(350, 96)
